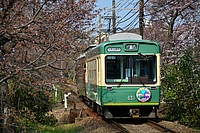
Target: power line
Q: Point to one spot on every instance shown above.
(127, 18)
(126, 4)
(132, 22)
(119, 3)
(123, 5)
(132, 26)
(127, 15)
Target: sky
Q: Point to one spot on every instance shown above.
(104, 3)
(127, 18)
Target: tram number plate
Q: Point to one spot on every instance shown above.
(130, 98)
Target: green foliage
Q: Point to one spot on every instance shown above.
(30, 105)
(30, 127)
(46, 119)
(60, 129)
(181, 87)
(25, 126)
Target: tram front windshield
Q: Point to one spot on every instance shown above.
(134, 69)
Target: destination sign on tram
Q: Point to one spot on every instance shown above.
(115, 49)
(131, 47)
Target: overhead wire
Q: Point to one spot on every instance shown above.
(120, 8)
(108, 12)
(126, 19)
(132, 26)
(122, 4)
(116, 6)
(131, 23)
(119, 3)
(120, 21)
(129, 18)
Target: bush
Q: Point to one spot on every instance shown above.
(61, 129)
(182, 90)
(30, 105)
(46, 120)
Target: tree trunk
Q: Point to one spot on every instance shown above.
(6, 120)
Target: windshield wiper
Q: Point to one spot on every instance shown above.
(120, 83)
(141, 81)
(142, 56)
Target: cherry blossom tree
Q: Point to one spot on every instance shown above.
(39, 40)
(175, 25)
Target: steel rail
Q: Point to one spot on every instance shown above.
(92, 114)
(160, 127)
(113, 123)
(123, 130)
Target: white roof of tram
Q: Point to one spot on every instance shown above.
(124, 36)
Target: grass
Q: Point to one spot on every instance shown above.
(60, 129)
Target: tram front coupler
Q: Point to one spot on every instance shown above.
(134, 113)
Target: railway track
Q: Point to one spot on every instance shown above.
(130, 127)
(121, 128)
(160, 127)
(149, 126)
(134, 126)
(113, 123)
(93, 114)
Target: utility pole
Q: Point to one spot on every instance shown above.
(141, 16)
(113, 16)
(100, 28)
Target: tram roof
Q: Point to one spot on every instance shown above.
(124, 36)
